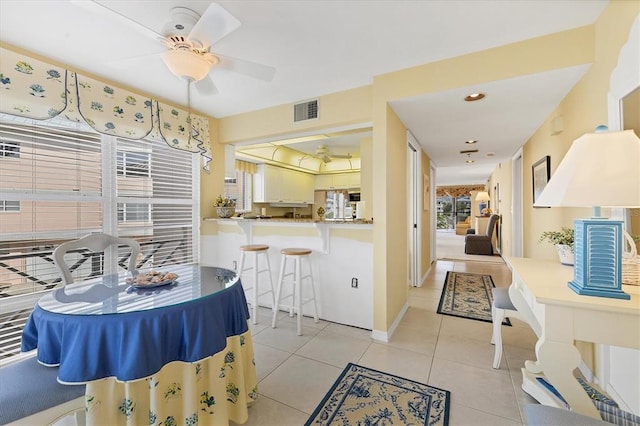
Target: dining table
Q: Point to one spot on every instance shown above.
(174, 352)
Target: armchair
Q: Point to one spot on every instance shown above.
(461, 227)
(481, 244)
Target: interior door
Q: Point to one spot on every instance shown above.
(412, 209)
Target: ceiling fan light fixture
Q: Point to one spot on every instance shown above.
(188, 64)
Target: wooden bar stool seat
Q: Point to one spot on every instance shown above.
(297, 255)
(253, 298)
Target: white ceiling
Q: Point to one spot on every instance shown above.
(321, 47)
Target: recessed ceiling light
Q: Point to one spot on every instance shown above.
(490, 154)
(471, 141)
(474, 97)
(470, 161)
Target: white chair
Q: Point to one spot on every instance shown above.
(96, 242)
(501, 308)
(297, 301)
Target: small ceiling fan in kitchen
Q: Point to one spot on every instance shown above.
(188, 38)
(325, 154)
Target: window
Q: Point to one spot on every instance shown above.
(239, 189)
(63, 185)
(132, 212)
(9, 206)
(9, 149)
(133, 164)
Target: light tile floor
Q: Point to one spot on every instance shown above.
(295, 372)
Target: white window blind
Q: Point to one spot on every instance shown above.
(68, 183)
(158, 210)
(240, 189)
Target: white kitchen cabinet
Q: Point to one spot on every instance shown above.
(273, 184)
(338, 181)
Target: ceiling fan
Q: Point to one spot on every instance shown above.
(323, 153)
(188, 38)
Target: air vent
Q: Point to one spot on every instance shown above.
(469, 151)
(305, 111)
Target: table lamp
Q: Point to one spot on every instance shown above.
(600, 169)
(482, 197)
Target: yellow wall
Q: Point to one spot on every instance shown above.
(426, 215)
(350, 107)
(366, 175)
(212, 183)
(500, 188)
(584, 108)
(390, 218)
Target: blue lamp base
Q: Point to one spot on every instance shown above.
(598, 258)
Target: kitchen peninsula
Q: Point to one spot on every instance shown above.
(342, 259)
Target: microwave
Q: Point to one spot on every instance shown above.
(354, 196)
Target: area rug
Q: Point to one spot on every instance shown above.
(468, 295)
(363, 396)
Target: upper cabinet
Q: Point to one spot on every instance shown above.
(338, 181)
(278, 185)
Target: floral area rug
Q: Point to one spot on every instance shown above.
(363, 396)
(468, 295)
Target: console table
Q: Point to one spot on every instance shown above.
(559, 316)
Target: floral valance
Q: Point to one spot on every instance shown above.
(40, 91)
(457, 191)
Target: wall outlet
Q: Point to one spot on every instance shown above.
(235, 265)
(354, 282)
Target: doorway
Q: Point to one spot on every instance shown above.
(413, 222)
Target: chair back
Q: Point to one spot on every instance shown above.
(96, 242)
(492, 224)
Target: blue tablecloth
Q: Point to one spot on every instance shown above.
(133, 345)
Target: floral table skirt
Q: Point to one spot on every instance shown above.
(211, 391)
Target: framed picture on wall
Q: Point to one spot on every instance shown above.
(541, 171)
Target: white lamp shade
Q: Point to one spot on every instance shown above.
(187, 64)
(600, 169)
(482, 196)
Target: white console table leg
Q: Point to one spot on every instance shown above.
(557, 361)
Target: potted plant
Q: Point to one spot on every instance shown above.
(563, 240)
(225, 206)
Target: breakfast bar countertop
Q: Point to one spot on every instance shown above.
(292, 220)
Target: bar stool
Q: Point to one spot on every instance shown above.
(296, 255)
(256, 250)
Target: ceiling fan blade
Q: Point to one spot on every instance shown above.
(214, 24)
(206, 86)
(102, 10)
(251, 69)
(134, 61)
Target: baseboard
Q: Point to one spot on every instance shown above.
(424, 277)
(385, 336)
